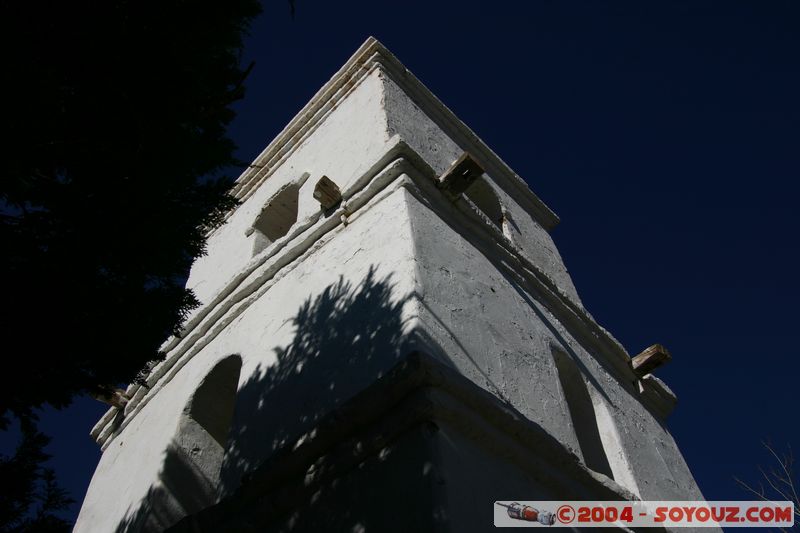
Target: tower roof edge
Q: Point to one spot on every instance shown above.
(372, 53)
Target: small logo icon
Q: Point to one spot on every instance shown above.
(565, 514)
(528, 513)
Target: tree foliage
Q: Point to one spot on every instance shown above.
(30, 497)
(114, 138)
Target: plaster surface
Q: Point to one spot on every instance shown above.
(328, 305)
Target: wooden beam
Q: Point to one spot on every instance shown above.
(461, 174)
(327, 193)
(650, 359)
(116, 398)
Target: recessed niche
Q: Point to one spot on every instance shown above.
(276, 218)
(189, 477)
(581, 410)
(483, 197)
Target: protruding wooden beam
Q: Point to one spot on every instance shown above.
(116, 398)
(327, 193)
(461, 174)
(650, 359)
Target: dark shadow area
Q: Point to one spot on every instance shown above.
(277, 217)
(189, 477)
(211, 406)
(499, 256)
(345, 337)
(485, 199)
(183, 490)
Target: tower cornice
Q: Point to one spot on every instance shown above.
(369, 56)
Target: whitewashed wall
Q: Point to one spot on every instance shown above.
(324, 312)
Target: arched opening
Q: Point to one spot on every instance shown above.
(483, 197)
(203, 432)
(276, 218)
(189, 476)
(581, 410)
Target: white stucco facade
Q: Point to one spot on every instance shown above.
(317, 323)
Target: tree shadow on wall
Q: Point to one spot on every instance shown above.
(182, 490)
(344, 338)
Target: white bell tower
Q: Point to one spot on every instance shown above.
(388, 341)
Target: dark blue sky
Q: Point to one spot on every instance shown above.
(667, 138)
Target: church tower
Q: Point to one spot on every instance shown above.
(388, 341)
